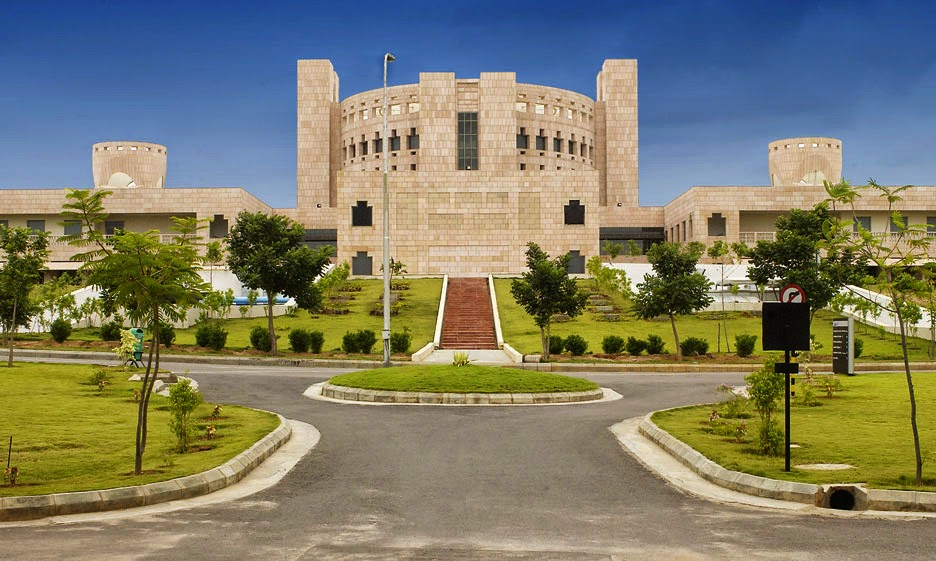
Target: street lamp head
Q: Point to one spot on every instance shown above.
(388, 57)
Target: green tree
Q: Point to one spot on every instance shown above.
(546, 289)
(152, 281)
(183, 400)
(675, 288)
(894, 257)
(267, 252)
(801, 255)
(721, 251)
(214, 256)
(612, 250)
(24, 252)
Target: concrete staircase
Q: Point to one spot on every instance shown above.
(469, 318)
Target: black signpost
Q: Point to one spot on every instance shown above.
(843, 346)
(786, 328)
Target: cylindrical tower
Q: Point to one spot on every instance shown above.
(807, 160)
(122, 164)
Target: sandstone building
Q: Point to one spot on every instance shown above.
(477, 168)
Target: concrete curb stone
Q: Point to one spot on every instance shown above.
(436, 398)
(792, 491)
(31, 507)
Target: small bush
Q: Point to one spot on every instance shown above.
(744, 344)
(400, 341)
(693, 346)
(166, 334)
(299, 340)
(635, 346)
(316, 340)
(110, 331)
(655, 345)
(183, 399)
(859, 347)
(260, 339)
(211, 336)
(460, 358)
(576, 345)
(359, 342)
(60, 330)
(100, 378)
(612, 345)
(770, 439)
(556, 344)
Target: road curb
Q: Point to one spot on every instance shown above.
(805, 493)
(374, 396)
(16, 509)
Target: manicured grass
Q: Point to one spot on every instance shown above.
(69, 436)
(521, 333)
(418, 314)
(866, 425)
(463, 379)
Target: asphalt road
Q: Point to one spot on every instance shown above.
(467, 483)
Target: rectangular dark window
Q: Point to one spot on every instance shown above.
(412, 140)
(863, 221)
(572, 147)
(111, 226)
(378, 145)
(574, 212)
(364, 148)
(467, 140)
(362, 215)
(523, 139)
(36, 225)
(394, 143)
(353, 151)
(893, 225)
(72, 227)
(930, 223)
(218, 227)
(717, 224)
(540, 142)
(557, 144)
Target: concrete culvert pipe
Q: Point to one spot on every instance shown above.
(842, 499)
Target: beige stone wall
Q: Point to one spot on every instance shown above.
(145, 162)
(617, 100)
(468, 222)
(318, 137)
(806, 160)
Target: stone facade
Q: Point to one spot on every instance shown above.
(476, 169)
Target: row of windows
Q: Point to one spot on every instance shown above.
(377, 112)
(803, 145)
(559, 144)
(351, 149)
(555, 110)
(131, 148)
(363, 215)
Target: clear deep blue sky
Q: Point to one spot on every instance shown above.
(216, 81)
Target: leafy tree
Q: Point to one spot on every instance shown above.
(608, 280)
(894, 257)
(546, 289)
(675, 288)
(801, 255)
(183, 400)
(152, 281)
(25, 253)
(612, 250)
(267, 252)
(633, 248)
(214, 256)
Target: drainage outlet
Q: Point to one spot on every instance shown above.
(843, 497)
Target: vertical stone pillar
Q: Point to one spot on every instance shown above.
(437, 122)
(318, 141)
(617, 139)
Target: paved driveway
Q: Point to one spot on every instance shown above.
(421, 483)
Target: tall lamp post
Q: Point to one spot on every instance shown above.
(386, 221)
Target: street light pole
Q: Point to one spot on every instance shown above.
(386, 221)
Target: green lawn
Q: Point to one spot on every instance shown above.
(463, 379)
(521, 333)
(418, 314)
(69, 436)
(866, 425)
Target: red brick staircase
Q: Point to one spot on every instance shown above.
(469, 317)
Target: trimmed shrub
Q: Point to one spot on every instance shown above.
(693, 346)
(635, 346)
(166, 334)
(744, 344)
(359, 342)
(299, 340)
(576, 344)
(400, 341)
(612, 345)
(110, 331)
(60, 330)
(655, 345)
(260, 339)
(316, 340)
(859, 347)
(211, 336)
(556, 345)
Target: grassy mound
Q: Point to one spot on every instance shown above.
(463, 379)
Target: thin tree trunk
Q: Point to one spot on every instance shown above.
(913, 412)
(544, 339)
(270, 323)
(10, 334)
(672, 319)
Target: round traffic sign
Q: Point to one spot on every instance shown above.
(792, 294)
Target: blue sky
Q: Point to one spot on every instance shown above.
(215, 81)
